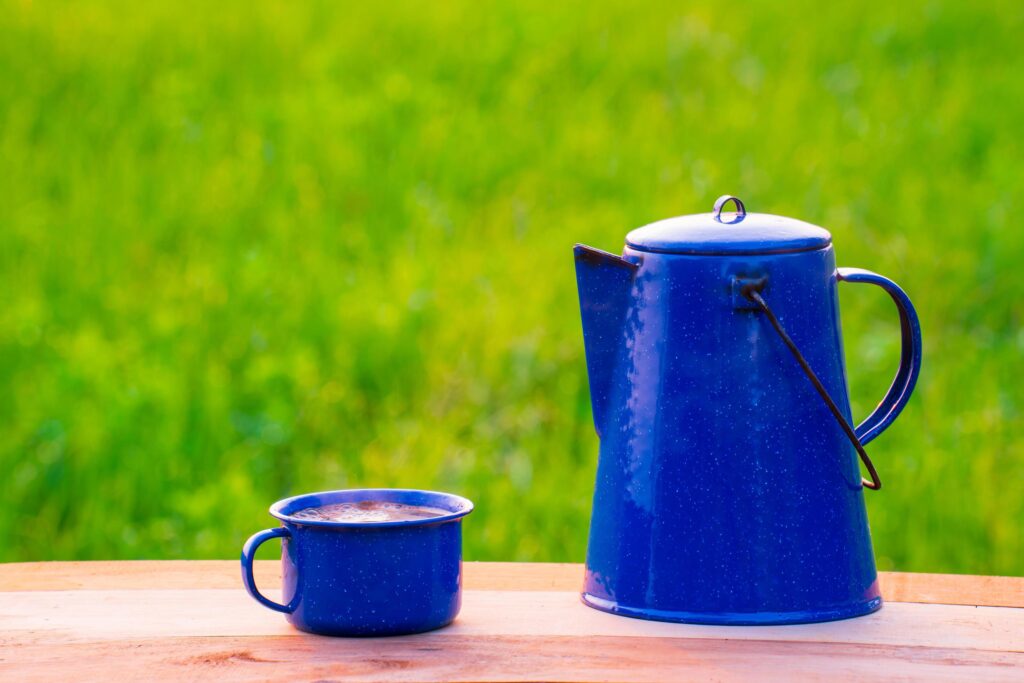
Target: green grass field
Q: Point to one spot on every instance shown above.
(247, 252)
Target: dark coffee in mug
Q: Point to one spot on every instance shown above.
(369, 511)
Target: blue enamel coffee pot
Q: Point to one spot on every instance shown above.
(728, 484)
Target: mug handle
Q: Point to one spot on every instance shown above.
(910, 354)
(249, 554)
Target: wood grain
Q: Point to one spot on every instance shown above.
(949, 589)
(431, 657)
(192, 621)
(84, 616)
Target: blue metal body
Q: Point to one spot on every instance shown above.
(366, 579)
(726, 492)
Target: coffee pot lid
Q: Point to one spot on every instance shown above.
(724, 233)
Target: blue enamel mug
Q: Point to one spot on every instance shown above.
(366, 578)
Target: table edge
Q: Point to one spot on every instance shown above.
(950, 589)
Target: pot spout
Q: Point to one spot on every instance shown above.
(605, 283)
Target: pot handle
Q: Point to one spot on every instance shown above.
(910, 355)
(249, 554)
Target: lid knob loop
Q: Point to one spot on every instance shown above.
(741, 211)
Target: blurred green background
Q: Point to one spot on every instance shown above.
(252, 250)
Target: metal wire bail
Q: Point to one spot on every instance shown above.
(751, 292)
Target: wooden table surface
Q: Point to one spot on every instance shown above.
(80, 621)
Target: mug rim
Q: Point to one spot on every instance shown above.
(465, 506)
